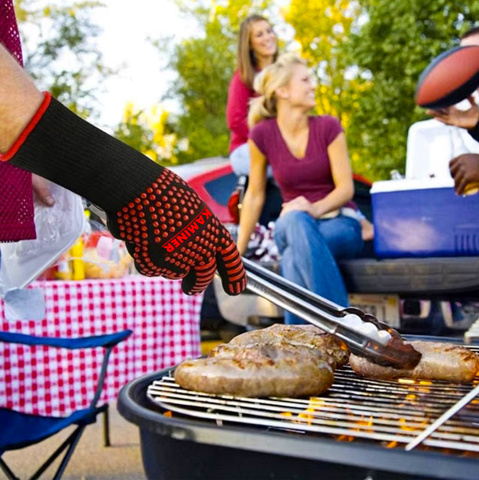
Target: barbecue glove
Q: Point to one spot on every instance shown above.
(167, 228)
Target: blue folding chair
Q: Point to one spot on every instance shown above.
(19, 430)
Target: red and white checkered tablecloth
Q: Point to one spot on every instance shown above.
(52, 381)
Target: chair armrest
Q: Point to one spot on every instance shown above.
(108, 340)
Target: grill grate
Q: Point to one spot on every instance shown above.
(389, 412)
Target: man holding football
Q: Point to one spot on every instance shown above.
(464, 168)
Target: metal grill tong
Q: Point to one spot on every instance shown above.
(362, 332)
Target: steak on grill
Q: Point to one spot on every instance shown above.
(307, 335)
(279, 369)
(440, 361)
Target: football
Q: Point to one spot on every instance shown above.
(449, 78)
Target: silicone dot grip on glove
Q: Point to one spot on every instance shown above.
(166, 227)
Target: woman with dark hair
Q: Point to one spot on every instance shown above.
(257, 48)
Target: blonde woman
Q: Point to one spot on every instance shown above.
(257, 48)
(309, 157)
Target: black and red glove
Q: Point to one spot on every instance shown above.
(167, 228)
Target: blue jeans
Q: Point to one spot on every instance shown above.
(310, 248)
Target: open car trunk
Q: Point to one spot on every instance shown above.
(423, 288)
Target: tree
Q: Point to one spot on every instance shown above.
(391, 48)
(321, 29)
(321, 26)
(148, 132)
(204, 68)
(60, 51)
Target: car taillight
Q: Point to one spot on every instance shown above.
(233, 205)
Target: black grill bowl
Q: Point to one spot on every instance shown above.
(181, 448)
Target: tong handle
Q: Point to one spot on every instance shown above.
(314, 299)
(331, 318)
(320, 318)
(290, 287)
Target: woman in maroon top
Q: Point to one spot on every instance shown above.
(257, 48)
(309, 158)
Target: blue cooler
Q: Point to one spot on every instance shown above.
(424, 218)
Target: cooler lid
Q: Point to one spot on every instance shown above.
(411, 184)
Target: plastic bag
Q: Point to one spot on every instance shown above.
(57, 228)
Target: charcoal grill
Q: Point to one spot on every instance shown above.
(357, 430)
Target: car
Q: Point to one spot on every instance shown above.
(214, 181)
(415, 295)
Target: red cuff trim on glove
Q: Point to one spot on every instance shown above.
(5, 157)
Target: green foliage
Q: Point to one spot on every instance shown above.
(321, 27)
(148, 132)
(60, 51)
(391, 49)
(367, 54)
(204, 68)
(134, 132)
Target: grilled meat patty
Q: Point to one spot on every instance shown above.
(440, 361)
(307, 335)
(271, 369)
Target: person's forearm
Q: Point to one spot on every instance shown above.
(19, 99)
(336, 199)
(166, 226)
(250, 213)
